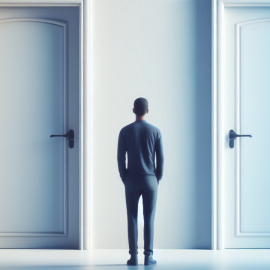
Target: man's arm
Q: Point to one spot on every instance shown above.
(121, 157)
(159, 158)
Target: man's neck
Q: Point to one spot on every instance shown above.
(139, 118)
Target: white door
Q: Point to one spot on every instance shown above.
(246, 110)
(39, 96)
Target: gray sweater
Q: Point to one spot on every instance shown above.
(141, 141)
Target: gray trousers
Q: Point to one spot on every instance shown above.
(135, 186)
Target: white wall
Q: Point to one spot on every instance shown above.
(160, 50)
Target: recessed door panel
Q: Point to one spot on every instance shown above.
(254, 114)
(32, 82)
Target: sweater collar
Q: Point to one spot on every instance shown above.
(140, 121)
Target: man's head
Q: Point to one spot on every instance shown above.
(140, 106)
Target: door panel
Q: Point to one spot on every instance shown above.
(33, 79)
(254, 115)
(39, 176)
(246, 80)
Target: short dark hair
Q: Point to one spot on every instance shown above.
(140, 106)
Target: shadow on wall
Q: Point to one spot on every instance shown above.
(203, 127)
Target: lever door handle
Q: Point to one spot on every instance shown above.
(69, 136)
(233, 136)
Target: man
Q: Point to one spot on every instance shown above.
(141, 141)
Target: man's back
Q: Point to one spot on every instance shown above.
(141, 141)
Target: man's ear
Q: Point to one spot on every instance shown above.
(147, 111)
(133, 110)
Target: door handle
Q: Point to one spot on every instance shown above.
(69, 136)
(233, 136)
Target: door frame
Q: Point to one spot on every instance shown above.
(85, 123)
(218, 133)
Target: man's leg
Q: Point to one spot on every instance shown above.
(132, 199)
(149, 209)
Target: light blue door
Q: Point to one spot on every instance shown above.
(39, 93)
(246, 84)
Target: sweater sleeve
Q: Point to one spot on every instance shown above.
(121, 157)
(159, 158)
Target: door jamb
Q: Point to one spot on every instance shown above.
(85, 114)
(218, 135)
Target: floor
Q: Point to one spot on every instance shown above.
(116, 259)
